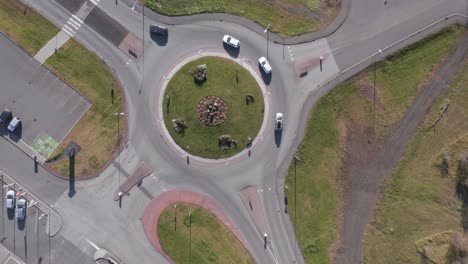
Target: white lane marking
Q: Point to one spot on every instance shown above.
(77, 19)
(78, 24)
(92, 244)
(73, 25)
(94, 2)
(69, 29)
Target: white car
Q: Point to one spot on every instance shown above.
(10, 199)
(231, 41)
(14, 124)
(279, 121)
(21, 209)
(265, 65)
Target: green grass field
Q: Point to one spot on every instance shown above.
(321, 152)
(242, 121)
(96, 132)
(23, 25)
(211, 241)
(419, 201)
(286, 17)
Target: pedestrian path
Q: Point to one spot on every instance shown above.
(69, 29)
(7, 257)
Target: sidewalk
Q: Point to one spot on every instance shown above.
(6, 257)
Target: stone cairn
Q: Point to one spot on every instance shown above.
(212, 111)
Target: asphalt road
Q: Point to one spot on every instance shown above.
(92, 215)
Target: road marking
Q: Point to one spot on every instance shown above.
(73, 25)
(77, 19)
(74, 22)
(95, 2)
(92, 244)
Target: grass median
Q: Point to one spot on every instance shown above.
(315, 180)
(96, 132)
(285, 17)
(230, 82)
(211, 241)
(26, 27)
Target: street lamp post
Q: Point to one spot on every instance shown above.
(118, 140)
(266, 31)
(190, 235)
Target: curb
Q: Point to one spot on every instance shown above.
(292, 40)
(159, 116)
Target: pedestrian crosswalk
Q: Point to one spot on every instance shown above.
(95, 2)
(72, 25)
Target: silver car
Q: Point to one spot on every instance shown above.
(231, 41)
(21, 209)
(10, 199)
(265, 65)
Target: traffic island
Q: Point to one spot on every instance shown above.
(213, 107)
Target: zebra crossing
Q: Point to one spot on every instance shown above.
(73, 24)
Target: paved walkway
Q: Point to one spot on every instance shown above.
(7, 257)
(68, 30)
(307, 37)
(152, 211)
(159, 112)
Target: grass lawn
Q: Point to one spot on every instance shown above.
(242, 121)
(419, 201)
(286, 17)
(323, 147)
(96, 132)
(211, 241)
(23, 25)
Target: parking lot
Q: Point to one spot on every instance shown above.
(47, 106)
(27, 239)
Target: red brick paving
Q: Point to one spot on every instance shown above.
(132, 45)
(249, 197)
(152, 211)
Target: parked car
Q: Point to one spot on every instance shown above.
(156, 29)
(231, 41)
(21, 209)
(265, 65)
(10, 199)
(14, 124)
(279, 121)
(5, 117)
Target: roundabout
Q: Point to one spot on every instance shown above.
(220, 116)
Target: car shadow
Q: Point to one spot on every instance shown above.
(265, 76)
(161, 40)
(22, 223)
(16, 135)
(10, 214)
(233, 52)
(278, 135)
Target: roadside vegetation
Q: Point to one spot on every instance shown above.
(345, 111)
(230, 82)
(24, 26)
(211, 241)
(423, 208)
(285, 17)
(96, 132)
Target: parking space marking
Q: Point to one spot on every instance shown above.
(44, 145)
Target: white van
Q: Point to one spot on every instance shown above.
(14, 124)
